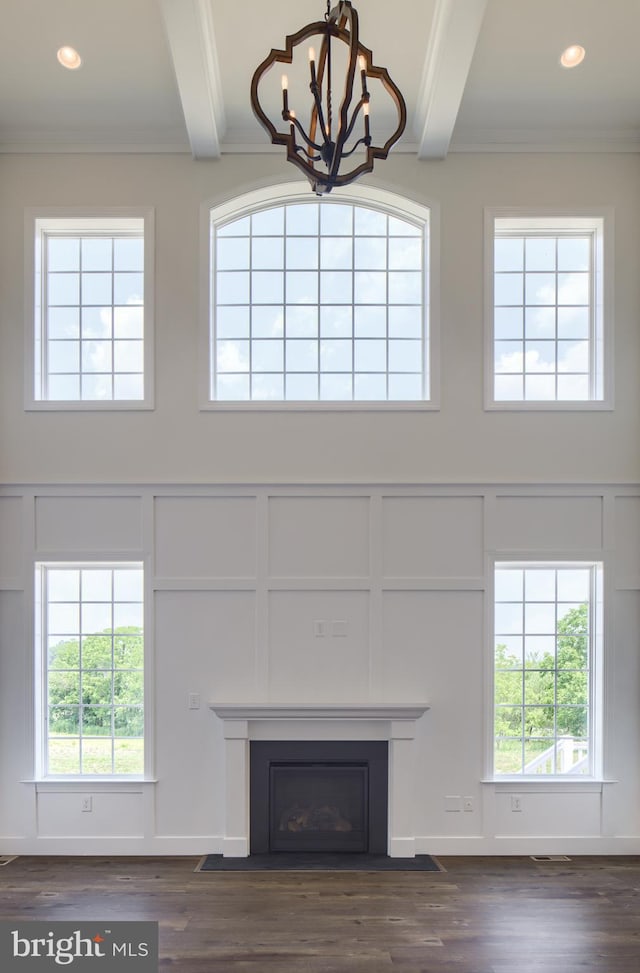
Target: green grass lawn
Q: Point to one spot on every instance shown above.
(64, 755)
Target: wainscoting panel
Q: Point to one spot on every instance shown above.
(88, 523)
(205, 537)
(12, 543)
(432, 537)
(558, 523)
(318, 537)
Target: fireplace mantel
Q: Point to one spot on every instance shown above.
(356, 711)
(395, 723)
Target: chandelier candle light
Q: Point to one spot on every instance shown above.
(331, 137)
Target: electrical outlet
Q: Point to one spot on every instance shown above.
(194, 700)
(467, 804)
(87, 803)
(320, 629)
(516, 802)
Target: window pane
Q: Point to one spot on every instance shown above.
(336, 253)
(97, 254)
(267, 287)
(302, 287)
(302, 322)
(574, 254)
(128, 322)
(232, 322)
(405, 387)
(96, 288)
(540, 253)
(405, 288)
(269, 222)
(63, 253)
(268, 356)
(302, 253)
(63, 288)
(369, 222)
(336, 356)
(302, 387)
(336, 322)
(509, 254)
(370, 322)
(302, 355)
(370, 254)
(232, 253)
(508, 289)
(128, 254)
(370, 356)
(405, 322)
(267, 322)
(63, 356)
(405, 254)
(507, 323)
(370, 288)
(97, 322)
(336, 287)
(267, 253)
(63, 322)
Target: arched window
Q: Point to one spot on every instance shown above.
(320, 300)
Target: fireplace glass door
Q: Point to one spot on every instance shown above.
(318, 807)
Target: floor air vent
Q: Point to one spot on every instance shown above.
(549, 858)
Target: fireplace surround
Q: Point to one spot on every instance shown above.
(396, 724)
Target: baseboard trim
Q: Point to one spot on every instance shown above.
(528, 845)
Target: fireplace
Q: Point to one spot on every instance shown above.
(318, 795)
(391, 831)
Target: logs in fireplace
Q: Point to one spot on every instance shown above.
(314, 796)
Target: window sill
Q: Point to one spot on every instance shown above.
(120, 405)
(567, 783)
(315, 406)
(86, 783)
(588, 405)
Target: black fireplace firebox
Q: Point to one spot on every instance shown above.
(317, 795)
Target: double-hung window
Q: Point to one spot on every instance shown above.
(90, 643)
(549, 311)
(547, 660)
(321, 301)
(90, 343)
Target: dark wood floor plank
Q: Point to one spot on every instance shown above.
(483, 915)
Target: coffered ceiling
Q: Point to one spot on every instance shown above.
(174, 75)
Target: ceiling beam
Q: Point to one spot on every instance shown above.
(452, 41)
(191, 37)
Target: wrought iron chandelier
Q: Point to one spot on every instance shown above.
(333, 135)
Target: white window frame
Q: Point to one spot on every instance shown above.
(556, 222)
(79, 220)
(596, 667)
(213, 213)
(41, 671)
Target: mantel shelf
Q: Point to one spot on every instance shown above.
(355, 711)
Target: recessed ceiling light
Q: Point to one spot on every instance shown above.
(69, 58)
(572, 56)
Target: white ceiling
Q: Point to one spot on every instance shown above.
(174, 75)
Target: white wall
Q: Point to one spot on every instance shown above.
(253, 526)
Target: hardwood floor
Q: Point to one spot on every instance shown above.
(482, 915)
